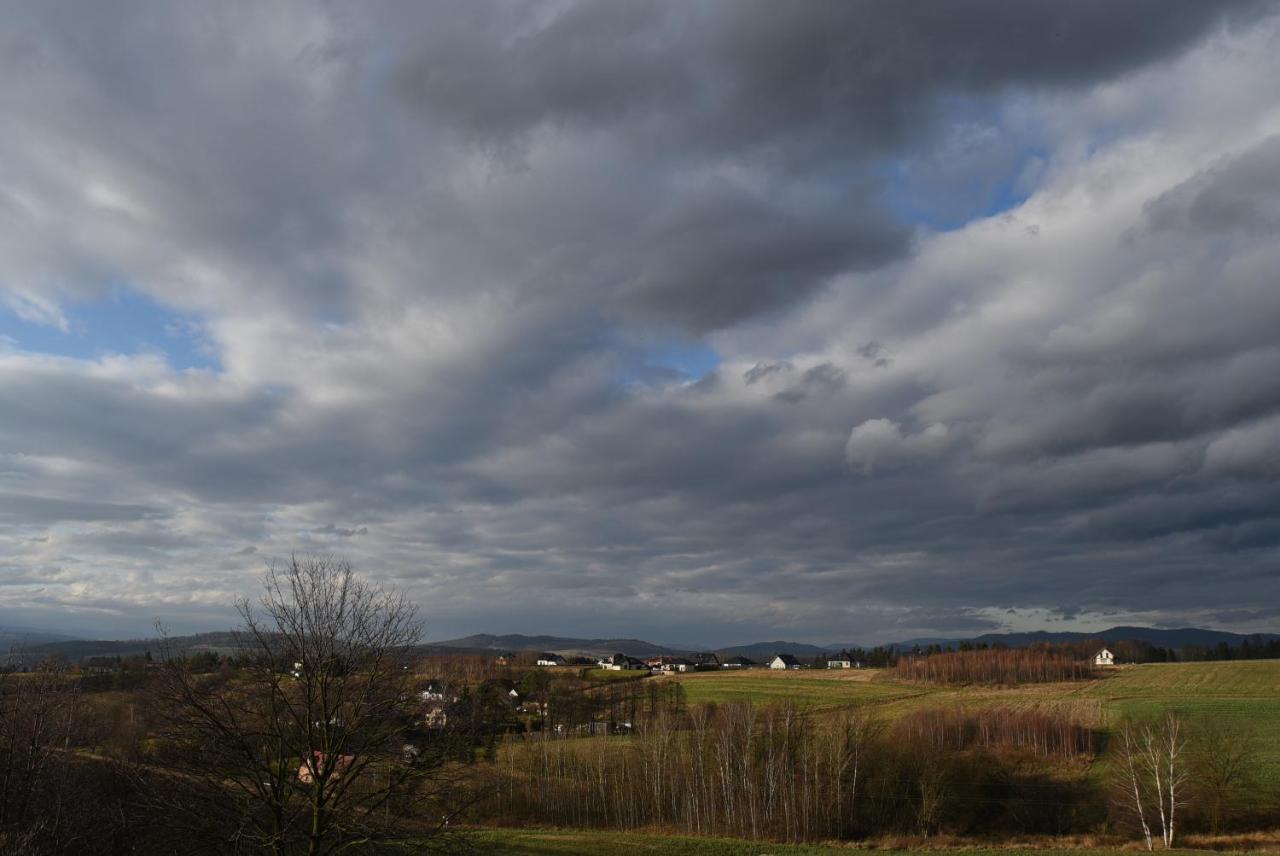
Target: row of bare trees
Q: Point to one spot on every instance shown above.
(783, 773)
(1044, 734)
(993, 666)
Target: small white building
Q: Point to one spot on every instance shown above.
(1104, 658)
(784, 661)
(840, 662)
(551, 660)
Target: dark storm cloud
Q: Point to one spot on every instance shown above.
(624, 306)
(723, 255)
(746, 78)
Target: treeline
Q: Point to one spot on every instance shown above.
(1254, 648)
(1042, 734)
(994, 666)
(777, 773)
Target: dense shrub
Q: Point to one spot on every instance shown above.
(994, 666)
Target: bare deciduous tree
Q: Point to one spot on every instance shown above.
(1153, 773)
(37, 717)
(310, 747)
(1222, 763)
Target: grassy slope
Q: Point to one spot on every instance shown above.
(1240, 695)
(814, 688)
(1244, 694)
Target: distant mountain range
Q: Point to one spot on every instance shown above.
(1182, 637)
(34, 644)
(565, 645)
(571, 646)
(74, 650)
(15, 637)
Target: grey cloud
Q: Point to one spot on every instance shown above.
(822, 378)
(1241, 194)
(331, 529)
(723, 255)
(858, 71)
(763, 370)
(47, 509)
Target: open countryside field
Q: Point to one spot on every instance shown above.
(816, 688)
(1241, 696)
(1244, 695)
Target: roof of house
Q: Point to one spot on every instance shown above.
(786, 658)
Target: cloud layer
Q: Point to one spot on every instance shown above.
(695, 321)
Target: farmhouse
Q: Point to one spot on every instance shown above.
(737, 663)
(669, 664)
(705, 658)
(784, 661)
(551, 660)
(843, 660)
(433, 691)
(1104, 658)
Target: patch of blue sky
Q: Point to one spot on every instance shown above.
(919, 197)
(659, 362)
(123, 321)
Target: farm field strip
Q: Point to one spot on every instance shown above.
(816, 690)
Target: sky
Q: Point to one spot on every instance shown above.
(701, 322)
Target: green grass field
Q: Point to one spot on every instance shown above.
(816, 688)
(1244, 695)
(1241, 696)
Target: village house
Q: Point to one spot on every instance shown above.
(705, 658)
(843, 660)
(100, 665)
(433, 691)
(737, 663)
(1104, 658)
(784, 661)
(621, 662)
(551, 660)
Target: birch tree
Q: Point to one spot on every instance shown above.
(1153, 775)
